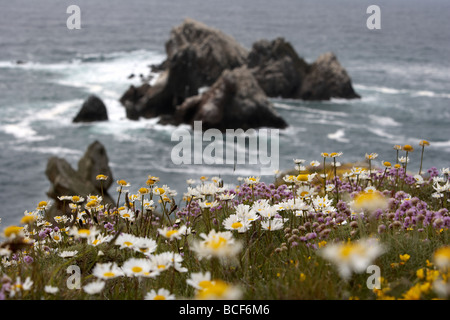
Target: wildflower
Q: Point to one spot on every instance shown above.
(314, 163)
(352, 257)
(252, 180)
(149, 205)
(305, 178)
(107, 271)
(190, 181)
(83, 233)
(299, 161)
(64, 198)
(28, 219)
(408, 148)
(305, 192)
(143, 191)
(419, 179)
(13, 232)
(273, 224)
(165, 260)
(208, 204)
(403, 160)
(200, 280)
(135, 267)
(234, 222)
(126, 240)
(123, 183)
(219, 290)
(335, 154)
(227, 196)
(94, 287)
(387, 164)
(144, 245)
(441, 258)
(172, 233)
(56, 236)
(20, 286)
(216, 244)
(371, 156)
(101, 177)
(98, 239)
(161, 294)
(369, 201)
(43, 205)
(423, 143)
(322, 204)
(127, 214)
(404, 257)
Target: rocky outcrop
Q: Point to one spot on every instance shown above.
(327, 79)
(66, 181)
(282, 73)
(234, 101)
(277, 67)
(196, 57)
(93, 109)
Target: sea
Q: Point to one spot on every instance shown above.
(401, 71)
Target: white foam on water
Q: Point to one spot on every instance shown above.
(442, 145)
(413, 93)
(58, 151)
(382, 133)
(383, 121)
(338, 136)
(23, 132)
(380, 89)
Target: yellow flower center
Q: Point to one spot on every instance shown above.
(236, 225)
(128, 243)
(159, 297)
(161, 266)
(143, 191)
(217, 243)
(160, 191)
(302, 177)
(408, 148)
(42, 204)
(85, 232)
(217, 290)
(91, 204)
(12, 230)
(27, 219)
(171, 233)
(443, 253)
(109, 274)
(349, 249)
(205, 284)
(136, 269)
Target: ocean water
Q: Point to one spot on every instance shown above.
(402, 73)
